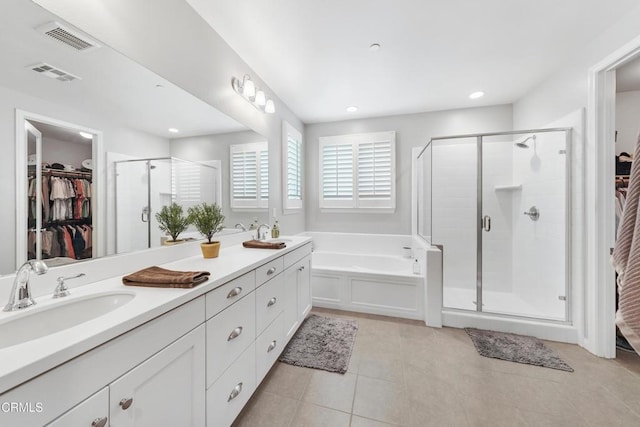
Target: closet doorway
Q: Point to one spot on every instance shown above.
(56, 191)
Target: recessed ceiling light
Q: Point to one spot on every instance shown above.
(476, 95)
(374, 47)
(173, 130)
(159, 86)
(352, 109)
(86, 135)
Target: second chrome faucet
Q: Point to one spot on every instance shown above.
(61, 289)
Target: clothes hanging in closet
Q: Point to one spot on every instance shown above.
(70, 241)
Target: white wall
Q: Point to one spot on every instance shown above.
(627, 120)
(205, 68)
(116, 138)
(65, 152)
(412, 130)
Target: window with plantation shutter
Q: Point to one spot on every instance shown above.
(357, 172)
(292, 167)
(249, 176)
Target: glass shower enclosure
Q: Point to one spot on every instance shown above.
(498, 206)
(143, 186)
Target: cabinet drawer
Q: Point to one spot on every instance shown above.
(227, 396)
(94, 409)
(269, 302)
(222, 297)
(229, 334)
(269, 345)
(296, 254)
(269, 270)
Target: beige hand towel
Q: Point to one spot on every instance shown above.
(626, 260)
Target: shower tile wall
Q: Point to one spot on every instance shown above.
(539, 246)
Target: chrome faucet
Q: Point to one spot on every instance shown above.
(240, 226)
(21, 285)
(62, 290)
(264, 235)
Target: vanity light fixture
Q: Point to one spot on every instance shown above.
(173, 130)
(248, 90)
(86, 135)
(476, 95)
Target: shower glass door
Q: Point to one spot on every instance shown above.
(454, 169)
(523, 224)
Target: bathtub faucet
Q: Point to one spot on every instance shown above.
(409, 251)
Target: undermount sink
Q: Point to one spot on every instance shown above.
(35, 323)
(278, 240)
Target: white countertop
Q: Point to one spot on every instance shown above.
(21, 362)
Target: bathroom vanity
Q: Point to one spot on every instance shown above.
(180, 357)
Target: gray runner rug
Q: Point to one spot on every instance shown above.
(322, 343)
(516, 348)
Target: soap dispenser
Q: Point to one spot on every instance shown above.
(275, 230)
(416, 266)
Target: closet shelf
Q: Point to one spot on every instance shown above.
(512, 187)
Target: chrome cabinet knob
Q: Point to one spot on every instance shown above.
(126, 403)
(271, 271)
(234, 292)
(235, 392)
(235, 333)
(272, 301)
(99, 422)
(301, 268)
(271, 346)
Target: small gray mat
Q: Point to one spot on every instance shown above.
(516, 348)
(322, 343)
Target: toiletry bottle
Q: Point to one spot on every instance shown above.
(275, 230)
(416, 266)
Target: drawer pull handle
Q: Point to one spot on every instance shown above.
(271, 346)
(234, 292)
(235, 392)
(99, 422)
(271, 271)
(272, 301)
(301, 268)
(126, 402)
(235, 333)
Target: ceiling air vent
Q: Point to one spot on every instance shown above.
(67, 36)
(53, 72)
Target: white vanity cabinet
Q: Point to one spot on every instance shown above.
(166, 390)
(92, 412)
(297, 289)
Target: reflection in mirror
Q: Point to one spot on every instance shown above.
(101, 89)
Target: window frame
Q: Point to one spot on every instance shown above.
(257, 204)
(356, 203)
(292, 205)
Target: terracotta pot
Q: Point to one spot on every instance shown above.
(210, 250)
(172, 242)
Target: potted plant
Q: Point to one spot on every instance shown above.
(172, 221)
(207, 218)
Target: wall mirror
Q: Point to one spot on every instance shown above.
(132, 112)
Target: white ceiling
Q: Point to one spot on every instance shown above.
(314, 54)
(111, 86)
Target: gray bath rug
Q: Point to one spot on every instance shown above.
(322, 343)
(516, 348)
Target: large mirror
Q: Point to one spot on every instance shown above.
(61, 82)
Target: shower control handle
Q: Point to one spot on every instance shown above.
(533, 213)
(486, 223)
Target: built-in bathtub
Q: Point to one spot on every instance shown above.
(367, 273)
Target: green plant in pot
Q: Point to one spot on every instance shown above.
(207, 218)
(172, 220)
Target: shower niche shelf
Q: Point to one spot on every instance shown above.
(513, 187)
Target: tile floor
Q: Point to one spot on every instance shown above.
(405, 374)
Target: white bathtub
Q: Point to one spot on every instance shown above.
(368, 283)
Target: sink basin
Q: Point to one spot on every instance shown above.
(36, 323)
(278, 240)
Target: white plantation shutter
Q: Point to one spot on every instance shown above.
(358, 171)
(292, 167)
(249, 176)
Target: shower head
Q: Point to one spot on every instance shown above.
(38, 266)
(523, 143)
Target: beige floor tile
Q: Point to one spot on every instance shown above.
(267, 410)
(600, 407)
(309, 415)
(287, 380)
(630, 361)
(357, 421)
(331, 390)
(479, 413)
(388, 369)
(381, 400)
(537, 419)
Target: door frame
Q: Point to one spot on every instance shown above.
(98, 240)
(600, 204)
